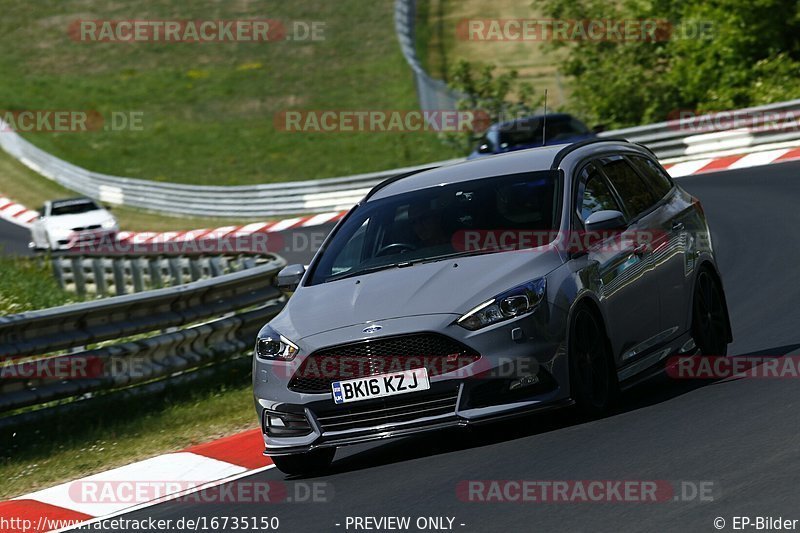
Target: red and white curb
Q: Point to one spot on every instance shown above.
(16, 213)
(20, 215)
(171, 476)
(227, 232)
(732, 162)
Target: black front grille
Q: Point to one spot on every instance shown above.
(388, 412)
(84, 228)
(437, 353)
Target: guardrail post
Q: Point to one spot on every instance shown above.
(136, 274)
(195, 268)
(58, 272)
(78, 276)
(155, 273)
(99, 276)
(175, 270)
(118, 265)
(214, 267)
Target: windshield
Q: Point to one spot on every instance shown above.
(439, 222)
(73, 207)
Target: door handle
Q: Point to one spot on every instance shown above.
(639, 250)
(677, 226)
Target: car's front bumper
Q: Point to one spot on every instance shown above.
(530, 350)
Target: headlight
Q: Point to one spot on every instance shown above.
(108, 224)
(273, 346)
(510, 304)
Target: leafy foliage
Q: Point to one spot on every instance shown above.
(720, 54)
(492, 97)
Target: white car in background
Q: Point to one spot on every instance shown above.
(66, 223)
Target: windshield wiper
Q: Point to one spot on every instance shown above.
(368, 270)
(453, 255)
(404, 264)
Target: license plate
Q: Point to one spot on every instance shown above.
(356, 390)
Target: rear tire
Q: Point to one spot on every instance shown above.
(302, 464)
(593, 379)
(709, 317)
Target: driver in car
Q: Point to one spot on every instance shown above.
(427, 226)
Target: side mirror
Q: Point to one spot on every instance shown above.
(605, 220)
(289, 278)
(484, 149)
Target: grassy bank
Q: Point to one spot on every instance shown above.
(31, 190)
(28, 284)
(78, 445)
(536, 65)
(208, 109)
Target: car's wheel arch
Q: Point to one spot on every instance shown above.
(590, 300)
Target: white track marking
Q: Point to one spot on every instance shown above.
(183, 467)
(757, 159)
(687, 167)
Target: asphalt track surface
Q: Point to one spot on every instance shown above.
(14, 239)
(740, 435)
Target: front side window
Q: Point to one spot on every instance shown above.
(596, 194)
(432, 223)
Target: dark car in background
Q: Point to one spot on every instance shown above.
(530, 132)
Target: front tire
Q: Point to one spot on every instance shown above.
(593, 380)
(302, 464)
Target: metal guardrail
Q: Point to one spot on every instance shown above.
(240, 201)
(120, 275)
(433, 94)
(131, 341)
(697, 136)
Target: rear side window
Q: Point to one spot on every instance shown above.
(653, 175)
(596, 194)
(633, 191)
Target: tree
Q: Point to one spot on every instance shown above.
(716, 55)
(490, 97)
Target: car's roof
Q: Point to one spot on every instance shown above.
(511, 163)
(530, 160)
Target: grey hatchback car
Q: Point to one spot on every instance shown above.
(457, 295)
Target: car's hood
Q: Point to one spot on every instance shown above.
(79, 220)
(453, 287)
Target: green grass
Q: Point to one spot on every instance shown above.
(536, 64)
(28, 284)
(96, 440)
(31, 190)
(209, 108)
